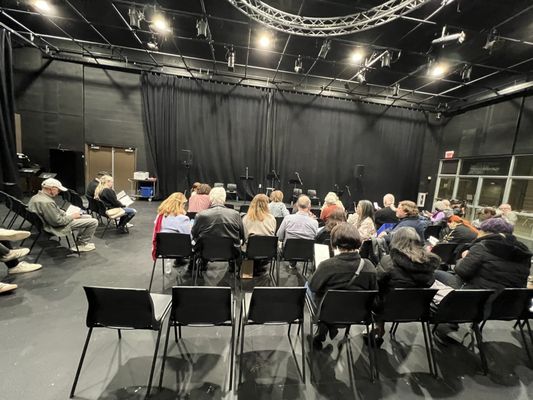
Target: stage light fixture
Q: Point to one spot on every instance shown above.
(437, 70)
(201, 28)
(445, 39)
(136, 16)
(152, 43)
(160, 24)
(396, 90)
(492, 39)
(298, 65)
(361, 78)
(357, 56)
(230, 57)
(264, 41)
(42, 5)
(466, 72)
(324, 49)
(386, 59)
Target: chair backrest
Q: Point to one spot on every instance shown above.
(279, 220)
(231, 188)
(35, 220)
(409, 304)
(316, 212)
(276, 304)
(446, 252)
(218, 184)
(191, 214)
(101, 208)
(311, 193)
(3, 196)
(93, 205)
(262, 247)
(18, 207)
(201, 305)
(217, 248)
(120, 308)
(511, 304)
(347, 306)
(296, 192)
(244, 208)
(462, 305)
(230, 206)
(173, 245)
(75, 199)
(299, 250)
(432, 230)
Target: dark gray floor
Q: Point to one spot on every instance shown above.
(42, 330)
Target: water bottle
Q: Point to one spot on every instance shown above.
(168, 266)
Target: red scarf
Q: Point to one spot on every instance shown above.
(157, 229)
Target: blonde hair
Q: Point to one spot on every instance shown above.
(258, 208)
(276, 196)
(173, 205)
(331, 198)
(102, 185)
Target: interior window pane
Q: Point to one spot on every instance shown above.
(524, 227)
(521, 195)
(467, 189)
(491, 192)
(446, 188)
(486, 166)
(449, 167)
(523, 166)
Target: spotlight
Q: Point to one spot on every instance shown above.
(361, 78)
(152, 44)
(466, 72)
(42, 5)
(445, 39)
(357, 56)
(264, 41)
(438, 116)
(396, 90)
(298, 65)
(136, 16)
(324, 49)
(492, 39)
(201, 28)
(385, 59)
(230, 57)
(436, 70)
(160, 24)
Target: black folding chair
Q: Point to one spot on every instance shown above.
(464, 306)
(101, 210)
(244, 208)
(200, 307)
(432, 230)
(75, 199)
(119, 308)
(93, 208)
(316, 212)
(264, 248)
(230, 206)
(7, 199)
(215, 249)
(19, 210)
(296, 250)
(446, 252)
(273, 305)
(512, 304)
(191, 215)
(170, 246)
(347, 307)
(410, 305)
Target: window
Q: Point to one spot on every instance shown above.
(521, 195)
(486, 166)
(491, 194)
(523, 166)
(446, 188)
(524, 226)
(467, 189)
(449, 167)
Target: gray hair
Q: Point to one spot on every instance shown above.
(331, 198)
(388, 199)
(407, 241)
(304, 202)
(217, 196)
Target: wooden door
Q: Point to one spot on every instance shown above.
(124, 167)
(99, 158)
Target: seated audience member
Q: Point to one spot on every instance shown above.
(194, 189)
(91, 187)
(508, 214)
(200, 201)
(448, 212)
(439, 214)
(363, 219)
(324, 234)
(276, 206)
(331, 203)
(458, 207)
(105, 193)
(340, 272)
(56, 221)
(408, 215)
(171, 216)
(300, 225)
(10, 257)
(408, 265)
(218, 221)
(460, 231)
(387, 214)
(496, 260)
(484, 214)
(258, 221)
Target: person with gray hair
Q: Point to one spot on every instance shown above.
(218, 221)
(387, 214)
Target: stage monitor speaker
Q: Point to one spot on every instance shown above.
(70, 168)
(359, 171)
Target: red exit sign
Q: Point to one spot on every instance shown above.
(449, 154)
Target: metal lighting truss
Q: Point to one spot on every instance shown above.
(326, 26)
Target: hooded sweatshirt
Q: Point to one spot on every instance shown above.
(495, 261)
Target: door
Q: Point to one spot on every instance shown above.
(99, 158)
(123, 168)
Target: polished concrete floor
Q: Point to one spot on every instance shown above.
(42, 331)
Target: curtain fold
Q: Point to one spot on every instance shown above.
(8, 149)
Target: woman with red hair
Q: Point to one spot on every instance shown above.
(461, 231)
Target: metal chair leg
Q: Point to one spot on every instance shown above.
(370, 354)
(302, 340)
(232, 355)
(479, 340)
(165, 354)
(428, 351)
(84, 351)
(148, 390)
(526, 347)
(152, 276)
(119, 334)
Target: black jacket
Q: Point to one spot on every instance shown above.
(91, 187)
(396, 270)
(495, 261)
(385, 215)
(461, 234)
(218, 221)
(109, 198)
(336, 273)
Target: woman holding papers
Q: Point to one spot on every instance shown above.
(105, 193)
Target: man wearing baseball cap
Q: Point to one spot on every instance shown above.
(56, 221)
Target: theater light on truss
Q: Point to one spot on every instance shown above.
(298, 65)
(136, 16)
(152, 43)
(449, 38)
(160, 24)
(466, 72)
(357, 56)
(396, 90)
(324, 49)
(386, 59)
(42, 5)
(230, 57)
(201, 28)
(437, 69)
(265, 40)
(361, 78)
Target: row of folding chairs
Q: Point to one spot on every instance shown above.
(193, 306)
(176, 245)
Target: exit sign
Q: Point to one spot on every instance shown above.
(449, 154)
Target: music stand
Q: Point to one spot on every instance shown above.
(245, 180)
(272, 178)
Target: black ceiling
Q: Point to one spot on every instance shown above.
(102, 34)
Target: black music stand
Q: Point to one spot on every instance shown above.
(273, 178)
(245, 180)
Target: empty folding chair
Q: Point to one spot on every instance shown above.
(446, 252)
(432, 230)
(263, 248)
(296, 250)
(215, 249)
(170, 246)
(119, 308)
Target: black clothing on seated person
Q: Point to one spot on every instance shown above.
(218, 221)
(495, 261)
(385, 215)
(109, 198)
(91, 188)
(461, 234)
(418, 223)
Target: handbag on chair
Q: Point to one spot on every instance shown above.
(115, 213)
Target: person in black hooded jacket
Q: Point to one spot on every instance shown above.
(496, 260)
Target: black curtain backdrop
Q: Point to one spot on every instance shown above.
(229, 128)
(8, 152)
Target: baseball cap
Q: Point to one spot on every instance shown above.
(51, 182)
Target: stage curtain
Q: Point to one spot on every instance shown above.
(8, 152)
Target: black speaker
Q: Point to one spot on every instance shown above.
(70, 168)
(359, 171)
